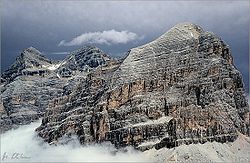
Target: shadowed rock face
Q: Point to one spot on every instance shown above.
(84, 59)
(182, 88)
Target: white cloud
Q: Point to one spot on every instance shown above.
(59, 53)
(25, 141)
(105, 37)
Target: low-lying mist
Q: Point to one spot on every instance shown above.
(23, 145)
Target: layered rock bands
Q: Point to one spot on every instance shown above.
(181, 88)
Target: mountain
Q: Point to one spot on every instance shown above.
(84, 59)
(181, 88)
(33, 80)
(31, 59)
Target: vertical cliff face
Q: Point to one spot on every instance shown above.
(181, 88)
(188, 75)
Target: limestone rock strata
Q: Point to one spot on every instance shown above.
(68, 114)
(32, 81)
(181, 88)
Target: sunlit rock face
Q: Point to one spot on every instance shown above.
(181, 88)
(188, 75)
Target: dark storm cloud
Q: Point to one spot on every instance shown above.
(43, 24)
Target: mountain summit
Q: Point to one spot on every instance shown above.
(29, 58)
(181, 45)
(83, 59)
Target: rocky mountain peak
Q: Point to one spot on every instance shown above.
(31, 50)
(83, 60)
(30, 59)
(184, 40)
(34, 58)
(88, 52)
(86, 49)
(182, 31)
(179, 33)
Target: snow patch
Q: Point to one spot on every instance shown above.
(58, 75)
(148, 143)
(51, 67)
(150, 122)
(54, 67)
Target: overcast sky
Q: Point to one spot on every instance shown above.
(58, 27)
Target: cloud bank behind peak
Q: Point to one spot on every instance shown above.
(105, 37)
